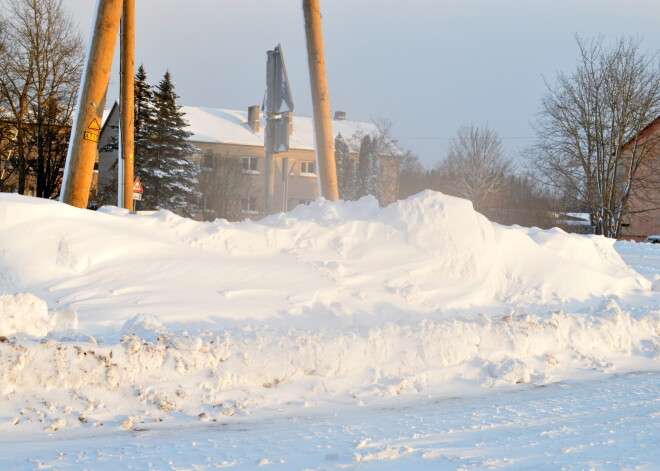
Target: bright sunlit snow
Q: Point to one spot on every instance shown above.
(339, 335)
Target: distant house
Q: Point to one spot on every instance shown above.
(54, 156)
(226, 134)
(643, 218)
(105, 168)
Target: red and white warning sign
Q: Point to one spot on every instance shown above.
(137, 186)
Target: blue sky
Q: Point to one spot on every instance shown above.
(428, 65)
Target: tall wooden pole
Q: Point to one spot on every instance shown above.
(83, 145)
(325, 146)
(126, 101)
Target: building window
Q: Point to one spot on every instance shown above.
(308, 169)
(250, 165)
(208, 162)
(249, 205)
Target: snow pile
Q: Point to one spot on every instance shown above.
(326, 264)
(26, 314)
(156, 315)
(221, 374)
(645, 258)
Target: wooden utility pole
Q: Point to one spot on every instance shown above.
(325, 146)
(126, 101)
(83, 146)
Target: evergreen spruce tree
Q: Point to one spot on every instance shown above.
(143, 113)
(142, 123)
(369, 169)
(352, 182)
(170, 178)
(375, 180)
(343, 161)
(364, 166)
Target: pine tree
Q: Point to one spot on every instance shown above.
(169, 177)
(369, 169)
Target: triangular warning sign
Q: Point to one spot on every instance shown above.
(94, 125)
(137, 186)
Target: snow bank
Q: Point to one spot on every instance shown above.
(157, 315)
(26, 314)
(326, 264)
(221, 374)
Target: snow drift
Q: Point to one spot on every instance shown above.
(113, 318)
(326, 264)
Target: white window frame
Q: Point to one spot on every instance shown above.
(249, 168)
(249, 205)
(304, 168)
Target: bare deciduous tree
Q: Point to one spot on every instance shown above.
(40, 63)
(475, 167)
(588, 126)
(412, 176)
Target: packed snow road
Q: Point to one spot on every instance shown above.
(605, 424)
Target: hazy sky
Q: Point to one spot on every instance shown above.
(428, 65)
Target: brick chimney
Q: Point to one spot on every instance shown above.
(253, 118)
(340, 116)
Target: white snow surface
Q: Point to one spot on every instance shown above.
(113, 321)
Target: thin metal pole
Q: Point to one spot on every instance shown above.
(285, 184)
(126, 103)
(269, 139)
(83, 145)
(325, 152)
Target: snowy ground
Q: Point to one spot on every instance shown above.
(605, 424)
(338, 336)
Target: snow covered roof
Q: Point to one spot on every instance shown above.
(231, 127)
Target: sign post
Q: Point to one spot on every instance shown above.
(137, 191)
(277, 102)
(285, 166)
